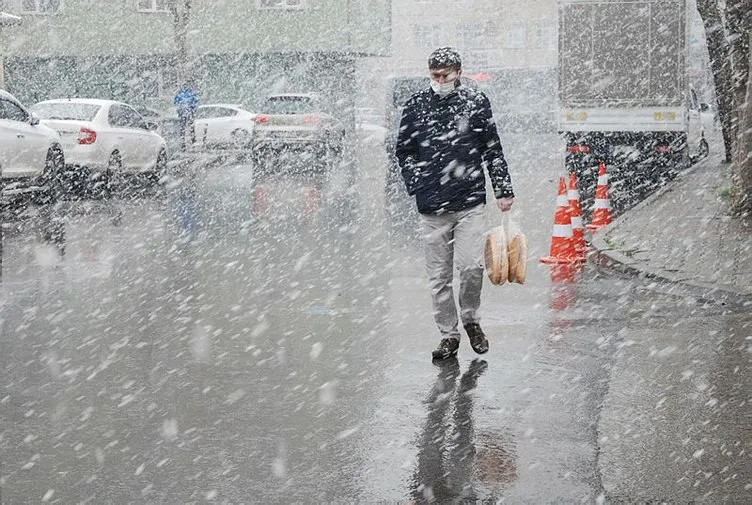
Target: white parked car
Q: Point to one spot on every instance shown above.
(104, 136)
(31, 157)
(224, 125)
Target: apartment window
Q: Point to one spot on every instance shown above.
(428, 36)
(152, 6)
(281, 4)
(491, 31)
(515, 38)
(471, 36)
(544, 36)
(41, 6)
(476, 60)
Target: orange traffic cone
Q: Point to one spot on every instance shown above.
(602, 205)
(578, 232)
(562, 245)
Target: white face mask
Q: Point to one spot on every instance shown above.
(442, 88)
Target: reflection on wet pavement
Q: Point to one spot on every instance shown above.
(449, 455)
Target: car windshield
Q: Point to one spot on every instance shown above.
(66, 111)
(288, 105)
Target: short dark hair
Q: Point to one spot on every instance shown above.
(445, 57)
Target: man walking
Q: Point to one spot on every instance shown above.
(186, 103)
(447, 135)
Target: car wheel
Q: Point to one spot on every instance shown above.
(105, 185)
(160, 167)
(240, 138)
(54, 165)
(329, 154)
(259, 157)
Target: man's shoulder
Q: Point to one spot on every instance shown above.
(419, 97)
(472, 94)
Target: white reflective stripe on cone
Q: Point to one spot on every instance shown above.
(576, 222)
(562, 230)
(602, 180)
(561, 201)
(602, 204)
(573, 194)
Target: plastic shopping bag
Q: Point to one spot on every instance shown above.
(506, 253)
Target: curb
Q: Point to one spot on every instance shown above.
(605, 256)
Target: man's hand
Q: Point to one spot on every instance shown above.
(505, 203)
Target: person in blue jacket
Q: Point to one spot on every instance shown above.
(186, 103)
(447, 136)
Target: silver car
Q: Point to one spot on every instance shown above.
(296, 122)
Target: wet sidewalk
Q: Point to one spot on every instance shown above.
(685, 236)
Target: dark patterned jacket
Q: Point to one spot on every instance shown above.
(443, 146)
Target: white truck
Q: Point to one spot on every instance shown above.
(624, 94)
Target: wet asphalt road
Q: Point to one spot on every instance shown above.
(249, 339)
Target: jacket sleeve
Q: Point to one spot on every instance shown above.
(406, 149)
(493, 156)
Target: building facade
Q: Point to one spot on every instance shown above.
(491, 34)
(511, 44)
(238, 50)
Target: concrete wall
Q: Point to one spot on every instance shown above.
(115, 27)
(238, 52)
(246, 79)
(6, 20)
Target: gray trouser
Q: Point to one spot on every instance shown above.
(455, 239)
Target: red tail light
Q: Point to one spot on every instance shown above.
(579, 149)
(311, 119)
(261, 119)
(87, 136)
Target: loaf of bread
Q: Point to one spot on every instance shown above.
(513, 252)
(497, 256)
(520, 272)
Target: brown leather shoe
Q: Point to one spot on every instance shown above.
(447, 348)
(478, 340)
